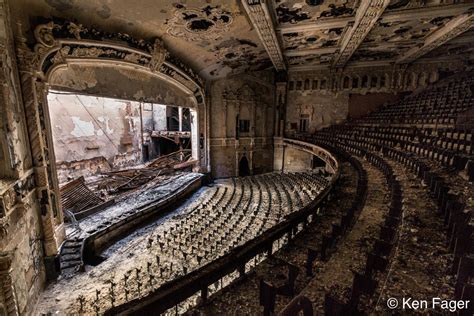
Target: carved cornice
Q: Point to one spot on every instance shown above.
(451, 30)
(259, 15)
(367, 14)
(56, 44)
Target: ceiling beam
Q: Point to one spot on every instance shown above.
(366, 16)
(392, 16)
(450, 30)
(305, 52)
(259, 15)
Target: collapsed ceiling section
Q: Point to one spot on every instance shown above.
(219, 38)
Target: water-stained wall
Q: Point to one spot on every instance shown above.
(119, 82)
(318, 108)
(86, 128)
(241, 124)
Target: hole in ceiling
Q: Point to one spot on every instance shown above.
(314, 2)
(200, 25)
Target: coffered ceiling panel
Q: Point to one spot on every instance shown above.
(296, 11)
(312, 32)
(312, 39)
(217, 38)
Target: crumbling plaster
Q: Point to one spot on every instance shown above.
(321, 108)
(251, 97)
(227, 46)
(121, 83)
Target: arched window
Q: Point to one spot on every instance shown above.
(315, 84)
(355, 82)
(345, 83)
(365, 81)
(323, 83)
(306, 84)
(373, 81)
(299, 85)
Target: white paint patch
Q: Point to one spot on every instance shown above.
(82, 128)
(104, 119)
(99, 132)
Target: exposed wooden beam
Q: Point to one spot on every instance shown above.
(259, 15)
(367, 15)
(446, 33)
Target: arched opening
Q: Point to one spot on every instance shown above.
(138, 73)
(106, 129)
(355, 82)
(244, 168)
(374, 81)
(365, 81)
(306, 84)
(346, 82)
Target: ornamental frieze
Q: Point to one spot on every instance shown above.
(55, 43)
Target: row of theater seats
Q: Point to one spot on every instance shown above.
(231, 213)
(453, 148)
(366, 282)
(439, 104)
(433, 153)
(269, 289)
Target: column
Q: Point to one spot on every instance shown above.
(195, 143)
(180, 118)
(8, 303)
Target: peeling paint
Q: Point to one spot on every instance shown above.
(82, 128)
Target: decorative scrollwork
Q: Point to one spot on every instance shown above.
(158, 55)
(195, 24)
(44, 34)
(54, 47)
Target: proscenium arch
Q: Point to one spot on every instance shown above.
(59, 46)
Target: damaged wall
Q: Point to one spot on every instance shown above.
(87, 128)
(241, 124)
(22, 241)
(319, 108)
(120, 83)
(360, 105)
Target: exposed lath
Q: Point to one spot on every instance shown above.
(259, 15)
(367, 14)
(451, 30)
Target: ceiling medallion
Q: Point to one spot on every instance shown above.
(199, 23)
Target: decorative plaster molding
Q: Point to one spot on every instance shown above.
(397, 15)
(367, 15)
(58, 43)
(451, 30)
(259, 15)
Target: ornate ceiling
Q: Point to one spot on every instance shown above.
(218, 38)
(215, 38)
(324, 33)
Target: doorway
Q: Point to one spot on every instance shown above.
(244, 169)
